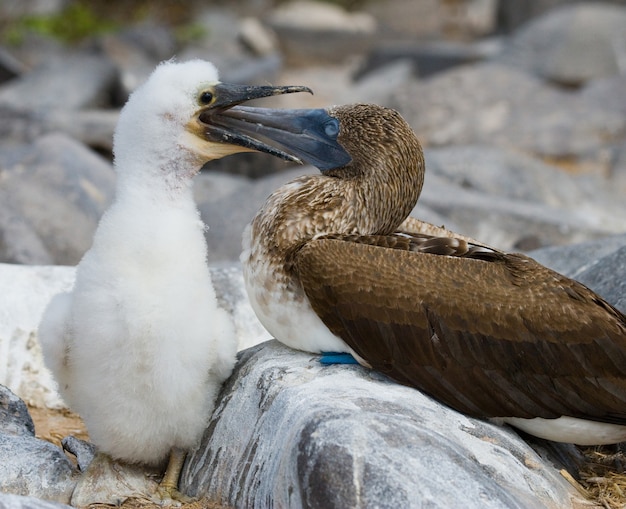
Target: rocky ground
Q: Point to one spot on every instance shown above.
(521, 108)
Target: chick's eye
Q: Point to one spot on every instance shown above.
(331, 128)
(206, 97)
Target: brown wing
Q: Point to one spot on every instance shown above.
(489, 334)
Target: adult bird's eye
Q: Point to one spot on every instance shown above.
(206, 97)
(331, 128)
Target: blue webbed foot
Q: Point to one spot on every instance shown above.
(337, 358)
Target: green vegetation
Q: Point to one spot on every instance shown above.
(74, 23)
(82, 19)
(190, 32)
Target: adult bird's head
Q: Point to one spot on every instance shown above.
(387, 161)
(369, 157)
(183, 116)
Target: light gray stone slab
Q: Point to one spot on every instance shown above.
(607, 277)
(8, 501)
(288, 432)
(574, 259)
(495, 104)
(73, 81)
(61, 188)
(507, 223)
(30, 466)
(572, 43)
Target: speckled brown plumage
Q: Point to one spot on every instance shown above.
(488, 333)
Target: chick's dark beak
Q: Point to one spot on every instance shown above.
(227, 95)
(302, 135)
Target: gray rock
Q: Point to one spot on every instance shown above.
(36, 49)
(607, 277)
(618, 169)
(421, 20)
(498, 105)
(303, 435)
(477, 17)
(506, 223)
(574, 259)
(221, 35)
(37, 468)
(30, 467)
(607, 93)
(379, 85)
(331, 84)
(84, 452)
(15, 9)
(109, 482)
(507, 173)
(227, 203)
(257, 37)
(513, 14)
(135, 52)
(571, 44)
(225, 206)
(254, 70)
(91, 127)
(14, 414)
(425, 213)
(72, 81)
(315, 15)
(223, 46)
(10, 67)
(17, 127)
(61, 189)
(314, 31)
(428, 58)
(8, 501)
(19, 243)
(513, 201)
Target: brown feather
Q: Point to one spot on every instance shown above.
(488, 334)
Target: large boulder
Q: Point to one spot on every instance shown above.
(571, 44)
(30, 466)
(289, 432)
(517, 202)
(60, 188)
(9, 501)
(72, 81)
(495, 104)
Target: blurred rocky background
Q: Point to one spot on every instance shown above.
(521, 109)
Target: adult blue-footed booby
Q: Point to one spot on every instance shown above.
(331, 263)
(139, 347)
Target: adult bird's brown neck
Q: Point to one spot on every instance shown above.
(370, 192)
(390, 168)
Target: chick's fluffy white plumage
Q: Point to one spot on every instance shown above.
(140, 347)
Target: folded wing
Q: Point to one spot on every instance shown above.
(489, 334)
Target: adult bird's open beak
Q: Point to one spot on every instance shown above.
(308, 135)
